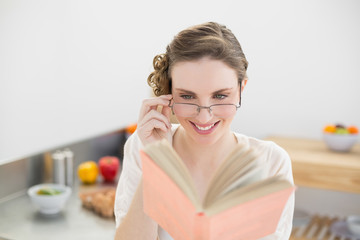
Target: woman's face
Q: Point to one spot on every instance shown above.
(205, 82)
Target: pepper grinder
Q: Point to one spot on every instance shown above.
(69, 171)
(58, 167)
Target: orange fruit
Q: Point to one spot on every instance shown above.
(330, 128)
(131, 128)
(353, 130)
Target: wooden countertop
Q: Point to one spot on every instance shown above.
(314, 165)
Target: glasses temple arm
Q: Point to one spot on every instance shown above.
(240, 95)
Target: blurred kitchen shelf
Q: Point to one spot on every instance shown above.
(314, 165)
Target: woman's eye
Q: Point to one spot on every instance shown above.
(219, 96)
(186, 97)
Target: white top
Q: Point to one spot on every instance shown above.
(275, 157)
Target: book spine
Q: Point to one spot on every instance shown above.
(201, 227)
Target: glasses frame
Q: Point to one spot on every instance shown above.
(204, 107)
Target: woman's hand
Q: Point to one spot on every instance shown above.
(153, 125)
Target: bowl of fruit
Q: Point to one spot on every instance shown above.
(340, 138)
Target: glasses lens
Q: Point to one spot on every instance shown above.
(191, 110)
(185, 110)
(223, 110)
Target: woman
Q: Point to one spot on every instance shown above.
(199, 79)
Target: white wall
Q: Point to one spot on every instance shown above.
(304, 67)
(70, 70)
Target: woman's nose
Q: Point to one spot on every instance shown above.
(204, 115)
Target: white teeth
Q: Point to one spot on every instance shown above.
(204, 128)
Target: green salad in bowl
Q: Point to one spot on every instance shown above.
(49, 198)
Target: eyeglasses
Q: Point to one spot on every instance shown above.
(192, 110)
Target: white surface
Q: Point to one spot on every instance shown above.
(70, 70)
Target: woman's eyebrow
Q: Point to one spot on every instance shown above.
(222, 90)
(185, 91)
(192, 93)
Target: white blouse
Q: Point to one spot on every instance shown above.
(276, 158)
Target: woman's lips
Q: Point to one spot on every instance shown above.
(204, 128)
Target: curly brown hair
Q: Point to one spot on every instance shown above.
(205, 40)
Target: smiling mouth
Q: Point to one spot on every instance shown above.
(205, 128)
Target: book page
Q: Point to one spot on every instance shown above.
(239, 168)
(163, 154)
(249, 176)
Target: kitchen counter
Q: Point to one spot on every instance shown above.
(314, 165)
(20, 220)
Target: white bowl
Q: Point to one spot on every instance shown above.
(340, 142)
(353, 223)
(49, 204)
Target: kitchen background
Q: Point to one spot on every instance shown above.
(72, 72)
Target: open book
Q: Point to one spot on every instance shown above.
(240, 202)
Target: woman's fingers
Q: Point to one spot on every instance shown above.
(155, 115)
(152, 103)
(153, 130)
(153, 124)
